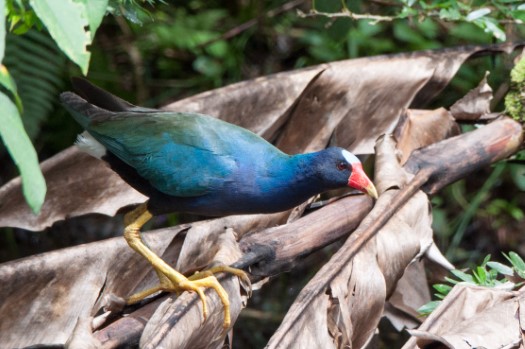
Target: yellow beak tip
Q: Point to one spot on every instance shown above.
(371, 190)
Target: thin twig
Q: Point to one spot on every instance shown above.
(247, 25)
(346, 14)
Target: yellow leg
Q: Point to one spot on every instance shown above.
(170, 279)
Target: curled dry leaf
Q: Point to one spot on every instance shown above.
(475, 103)
(472, 317)
(419, 128)
(351, 101)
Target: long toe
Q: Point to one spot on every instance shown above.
(209, 282)
(241, 274)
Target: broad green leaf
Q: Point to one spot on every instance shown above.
(95, 9)
(24, 155)
(66, 20)
(500, 268)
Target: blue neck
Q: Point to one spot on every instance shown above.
(291, 179)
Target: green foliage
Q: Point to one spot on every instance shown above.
(67, 30)
(471, 208)
(515, 99)
(491, 18)
(518, 265)
(488, 274)
(37, 67)
(23, 153)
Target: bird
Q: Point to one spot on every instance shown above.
(195, 163)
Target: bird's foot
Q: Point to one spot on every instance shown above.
(176, 282)
(170, 279)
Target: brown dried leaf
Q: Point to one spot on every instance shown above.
(475, 103)
(470, 317)
(257, 104)
(419, 128)
(351, 101)
(70, 176)
(410, 294)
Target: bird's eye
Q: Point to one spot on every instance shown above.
(341, 166)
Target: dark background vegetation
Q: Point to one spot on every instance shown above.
(181, 48)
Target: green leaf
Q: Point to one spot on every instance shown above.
(463, 276)
(477, 14)
(429, 307)
(516, 261)
(518, 175)
(37, 65)
(442, 288)
(450, 14)
(501, 268)
(207, 66)
(66, 20)
(485, 260)
(24, 155)
(452, 281)
(490, 25)
(95, 9)
(480, 274)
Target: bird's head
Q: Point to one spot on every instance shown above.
(339, 167)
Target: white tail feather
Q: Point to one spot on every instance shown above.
(88, 144)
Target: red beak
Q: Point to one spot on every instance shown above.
(358, 180)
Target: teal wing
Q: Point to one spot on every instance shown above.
(179, 154)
